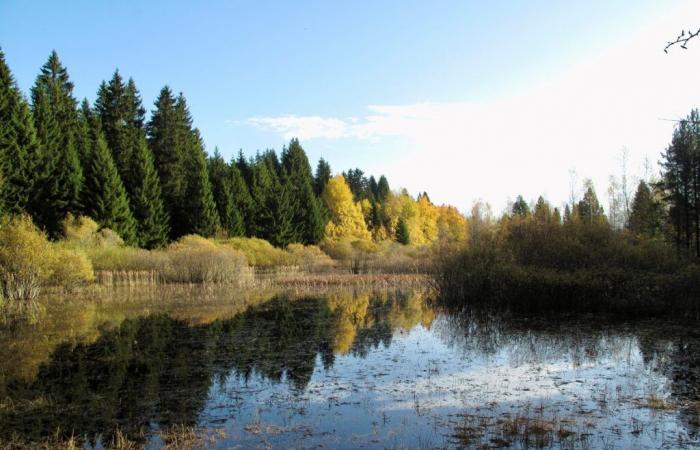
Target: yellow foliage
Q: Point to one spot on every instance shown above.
(347, 220)
(72, 268)
(83, 232)
(194, 259)
(259, 252)
(310, 258)
(26, 258)
(452, 226)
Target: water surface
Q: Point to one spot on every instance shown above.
(343, 369)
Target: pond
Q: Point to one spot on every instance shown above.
(346, 368)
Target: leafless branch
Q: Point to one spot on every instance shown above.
(682, 39)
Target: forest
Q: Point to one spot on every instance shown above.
(90, 190)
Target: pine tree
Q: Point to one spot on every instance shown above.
(222, 189)
(18, 145)
(646, 215)
(146, 201)
(520, 207)
(402, 233)
(306, 211)
(59, 176)
(323, 174)
(199, 207)
(383, 190)
(168, 135)
(589, 209)
(242, 198)
(106, 200)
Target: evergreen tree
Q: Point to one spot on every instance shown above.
(520, 207)
(222, 189)
(646, 216)
(306, 212)
(106, 200)
(146, 201)
(277, 217)
(201, 216)
(264, 186)
(383, 190)
(244, 168)
(242, 199)
(323, 174)
(402, 234)
(59, 176)
(567, 214)
(18, 145)
(168, 136)
(373, 188)
(589, 208)
(543, 211)
(358, 183)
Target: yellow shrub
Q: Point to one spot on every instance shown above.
(84, 232)
(194, 259)
(309, 258)
(26, 258)
(259, 252)
(71, 268)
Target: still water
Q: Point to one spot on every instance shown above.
(342, 369)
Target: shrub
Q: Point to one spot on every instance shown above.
(194, 259)
(26, 259)
(71, 268)
(258, 252)
(309, 258)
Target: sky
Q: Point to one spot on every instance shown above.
(463, 99)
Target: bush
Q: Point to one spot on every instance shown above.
(258, 252)
(71, 269)
(309, 258)
(26, 259)
(194, 259)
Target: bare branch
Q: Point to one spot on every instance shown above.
(682, 40)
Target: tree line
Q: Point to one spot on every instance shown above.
(151, 180)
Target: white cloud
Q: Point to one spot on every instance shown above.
(526, 143)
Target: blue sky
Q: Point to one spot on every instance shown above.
(256, 73)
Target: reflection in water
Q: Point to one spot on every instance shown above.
(343, 369)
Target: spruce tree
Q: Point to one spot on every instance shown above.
(306, 212)
(589, 208)
(201, 216)
(383, 190)
(18, 145)
(146, 201)
(106, 200)
(520, 207)
(59, 176)
(242, 198)
(323, 174)
(222, 189)
(169, 135)
(402, 233)
(646, 215)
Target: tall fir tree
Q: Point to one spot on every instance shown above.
(146, 201)
(168, 137)
(383, 189)
(589, 208)
(646, 214)
(242, 198)
(18, 145)
(306, 211)
(59, 176)
(199, 207)
(222, 189)
(106, 200)
(323, 175)
(402, 234)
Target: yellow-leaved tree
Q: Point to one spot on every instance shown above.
(346, 219)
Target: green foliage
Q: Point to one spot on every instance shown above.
(646, 215)
(306, 210)
(403, 236)
(105, 197)
(59, 176)
(152, 222)
(18, 145)
(520, 207)
(589, 208)
(200, 215)
(223, 190)
(323, 174)
(681, 183)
